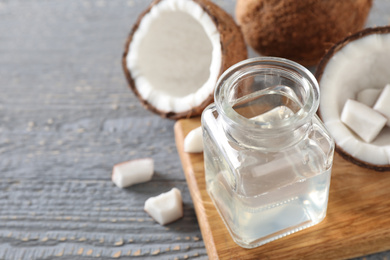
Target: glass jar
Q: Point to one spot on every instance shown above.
(268, 157)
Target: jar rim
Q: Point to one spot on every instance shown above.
(232, 75)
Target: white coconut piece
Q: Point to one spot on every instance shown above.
(275, 114)
(363, 120)
(133, 172)
(360, 64)
(382, 105)
(166, 207)
(193, 142)
(368, 96)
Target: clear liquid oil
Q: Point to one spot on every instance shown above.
(260, 194)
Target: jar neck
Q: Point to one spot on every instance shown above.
(266, 102)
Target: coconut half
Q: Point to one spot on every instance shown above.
(175, 53)
(358, 63)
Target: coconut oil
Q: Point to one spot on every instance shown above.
(268, 157)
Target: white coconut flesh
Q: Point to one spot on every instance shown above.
(361, 64)
(175, 56)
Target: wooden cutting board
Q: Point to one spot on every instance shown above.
(357, 223)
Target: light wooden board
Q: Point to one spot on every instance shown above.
(357, 223)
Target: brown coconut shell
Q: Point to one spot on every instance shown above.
(320, 70)
(299, 30)
(233, 49)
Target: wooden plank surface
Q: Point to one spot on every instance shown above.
(66, 117)
(357, 222)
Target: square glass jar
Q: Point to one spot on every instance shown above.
(268, 157)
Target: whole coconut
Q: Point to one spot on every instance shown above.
(299, 30)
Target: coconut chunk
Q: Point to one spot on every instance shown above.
(133, 172)
(382, 105)
(368, 96)
(275, 114)
(166, 207)
(363, 120)
(193, 142)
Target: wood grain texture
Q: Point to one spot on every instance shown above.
(66, 117)
(357, 222)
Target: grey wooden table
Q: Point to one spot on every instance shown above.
(66, 117)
